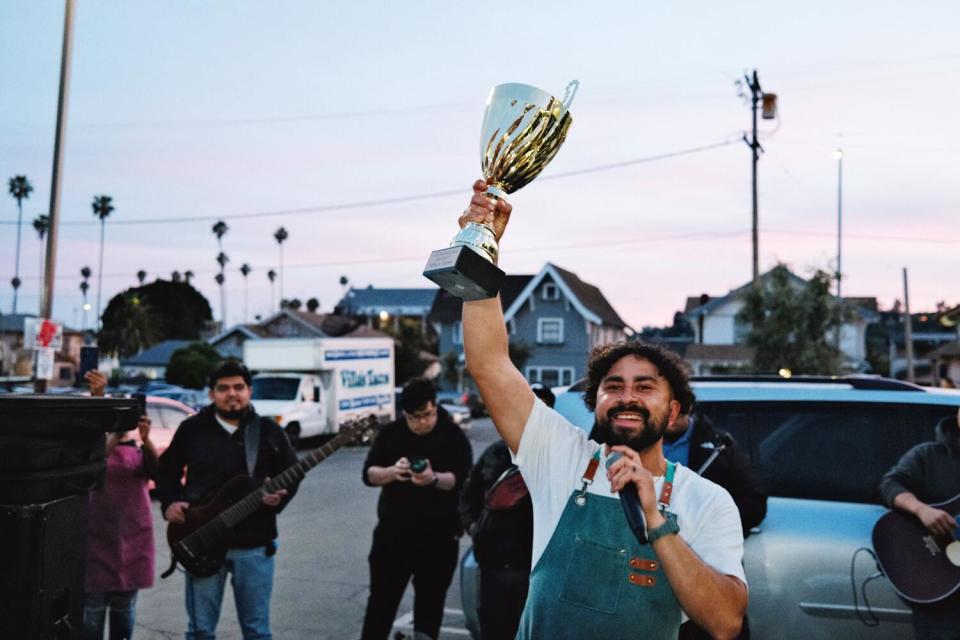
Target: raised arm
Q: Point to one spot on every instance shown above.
(504, 389)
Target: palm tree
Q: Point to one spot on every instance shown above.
(175, 276)
(222, 260)
(141, 276)
(84, 287)
(220, 229)
(280, 235)
(245, 271)
(272, 275)
(187, 276)
(20, 189)
(102, 208)
(312, 305)
(41, 223)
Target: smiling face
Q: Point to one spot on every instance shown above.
(634, 404)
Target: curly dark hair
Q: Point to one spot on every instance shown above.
(669, 364)
(229, 369)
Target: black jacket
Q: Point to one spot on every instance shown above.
(501, 539)
(212, 456)
(731, 470)
(406, 508)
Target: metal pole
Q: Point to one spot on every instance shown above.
(907, 328)
(839, 156)
(46, 302)
(756, 94)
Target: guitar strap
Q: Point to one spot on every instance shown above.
(251, 444)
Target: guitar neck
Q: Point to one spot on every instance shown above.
(243, 509)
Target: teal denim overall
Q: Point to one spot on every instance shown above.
(595, 580)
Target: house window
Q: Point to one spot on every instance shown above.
(550, 331)
(551, 376)
(551, 291)
(457, 332)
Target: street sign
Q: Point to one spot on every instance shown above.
(45, 360)
(41, 333)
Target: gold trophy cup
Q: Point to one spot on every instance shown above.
(523, 128)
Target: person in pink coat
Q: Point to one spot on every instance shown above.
(120, 546)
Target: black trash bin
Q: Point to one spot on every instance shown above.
(51, 455)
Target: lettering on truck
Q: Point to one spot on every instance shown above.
(369, 378)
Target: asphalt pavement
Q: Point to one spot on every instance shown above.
(322, 577)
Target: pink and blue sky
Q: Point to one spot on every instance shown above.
(202, 110)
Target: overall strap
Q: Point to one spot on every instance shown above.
(667, 489)
(587, 478)
(251, 444)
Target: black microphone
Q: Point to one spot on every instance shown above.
(630, 502)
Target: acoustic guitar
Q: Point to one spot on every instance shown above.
(921, 566)
(200, 543)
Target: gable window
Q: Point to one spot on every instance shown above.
(457, 332)
(550, 291)
(550, 331)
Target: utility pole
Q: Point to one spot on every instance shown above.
(49, 275)
(907, 328)
(769, 100)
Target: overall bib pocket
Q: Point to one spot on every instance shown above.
(594, 576)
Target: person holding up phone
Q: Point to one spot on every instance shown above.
(420, 460)
(120, 545)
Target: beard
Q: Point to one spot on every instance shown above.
(653, 429)
(231, 414)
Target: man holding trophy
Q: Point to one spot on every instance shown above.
(642, 545)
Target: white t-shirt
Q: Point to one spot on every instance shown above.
(553, 456)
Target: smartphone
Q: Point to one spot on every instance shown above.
(141, 401)
(89, 360)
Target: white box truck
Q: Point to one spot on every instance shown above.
(311, 386)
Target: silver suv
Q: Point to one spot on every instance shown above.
(820, 446)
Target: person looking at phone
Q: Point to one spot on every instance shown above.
(420, 461)
(120, 546)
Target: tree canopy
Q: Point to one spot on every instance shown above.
(791, 326)
(190, 366)
(176, 311)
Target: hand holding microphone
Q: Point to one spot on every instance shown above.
(630, 501)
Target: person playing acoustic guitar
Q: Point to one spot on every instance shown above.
(928, 474)
(213, 447)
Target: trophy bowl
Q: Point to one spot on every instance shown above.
(523, 128)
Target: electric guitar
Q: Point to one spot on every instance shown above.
(199, 543)
(923, 567)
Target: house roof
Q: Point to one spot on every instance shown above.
(586, 298)
(866, 307)
(156, 356)
(403, 302)
(320, 325)
(247, 330)
(447, 308)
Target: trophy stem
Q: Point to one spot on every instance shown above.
(478, 237)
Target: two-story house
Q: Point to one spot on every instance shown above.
(554, 314)
(387, 307)
(719, 337)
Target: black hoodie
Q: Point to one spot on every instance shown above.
(930, 471)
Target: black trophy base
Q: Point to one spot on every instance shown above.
(464, 273)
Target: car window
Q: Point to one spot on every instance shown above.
(825, 451)
(153, 412)
(173, 416)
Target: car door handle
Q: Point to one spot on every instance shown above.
(845, 611)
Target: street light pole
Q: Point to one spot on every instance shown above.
(838, 155)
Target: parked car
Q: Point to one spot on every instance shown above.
(820, 447)
(196, 399)
(165, 415)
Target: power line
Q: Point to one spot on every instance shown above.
(362, 204)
